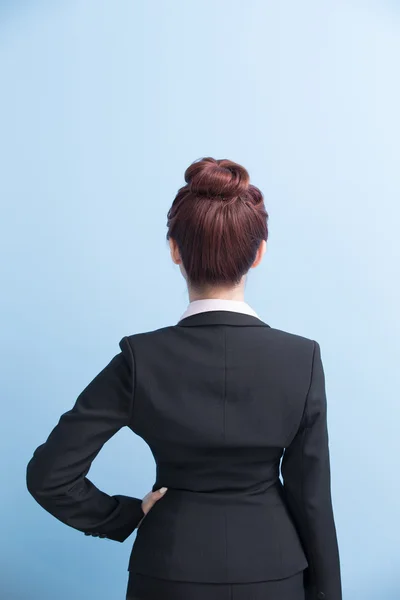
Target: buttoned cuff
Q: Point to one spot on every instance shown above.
(122, 522)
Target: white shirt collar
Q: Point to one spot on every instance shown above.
(207, 304)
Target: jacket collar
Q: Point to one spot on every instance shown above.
(221, 317)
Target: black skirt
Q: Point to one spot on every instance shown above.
(142, 587)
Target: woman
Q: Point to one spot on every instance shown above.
(224, 401)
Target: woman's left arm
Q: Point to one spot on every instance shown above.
(56, 474)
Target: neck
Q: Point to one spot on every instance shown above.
(222, 293)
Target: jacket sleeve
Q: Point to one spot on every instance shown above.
(307, 486)
(56, 474)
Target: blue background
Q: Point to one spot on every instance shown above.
(103, 105)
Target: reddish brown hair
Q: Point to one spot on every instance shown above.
(218, 220)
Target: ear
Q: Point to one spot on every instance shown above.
(260, 253)
(175, 255)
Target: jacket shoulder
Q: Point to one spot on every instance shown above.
(292, 339)
(152, 333)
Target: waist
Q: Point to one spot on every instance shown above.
(265, 493)
(223, 477)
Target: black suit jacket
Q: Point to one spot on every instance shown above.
(220, 398)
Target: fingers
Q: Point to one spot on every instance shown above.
(155, 496)
(151, 498)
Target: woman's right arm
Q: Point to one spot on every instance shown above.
(307, 484)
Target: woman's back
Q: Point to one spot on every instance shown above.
(217, 398)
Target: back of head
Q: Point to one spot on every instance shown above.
(218, 220)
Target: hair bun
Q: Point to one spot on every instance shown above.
(214, 178)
